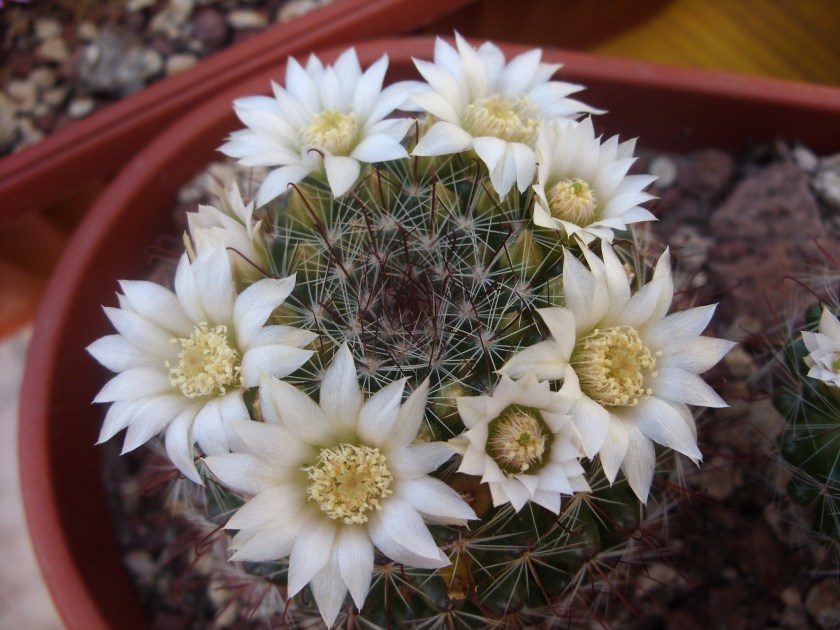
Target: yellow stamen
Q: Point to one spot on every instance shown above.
(518, 439)
(511, 119)
(612, 365)
(207, 364)
(348, 482)
(572, 200)
(332, 131)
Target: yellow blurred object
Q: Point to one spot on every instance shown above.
(786, 39)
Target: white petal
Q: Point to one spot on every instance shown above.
(242, 472)
(267, 545)
(437, 106)
(443, 138)
(276, 506)
(401, 522)
(369, 87)
(119, 416)
(491, 150)
(379, 148)
(354, 550)
(341, 397)
(549, 500)
(179, 444)
(526, 164)
(662, 422)
(151, 418)
(544, 360)
(416, 460)
(215, 286)
(592, 422)
(618, 285)
(311, 551)
(379, 414)
(614, 448)
(410, 417)
(673, 383)
(639, 462)
(435, 500)
(210, 430)
(158, 305)
(290, 408)
(561, 324)
(116, 354)
(271, 442)
(255, 305)
(134, 383)
(342, 173)
(679, 326)
(519, 72)
(300, 85)
(277, 182)
(585, 294)
(187, 291)
(329, 591)
(140, 332)
(277, 360)
(696, 355)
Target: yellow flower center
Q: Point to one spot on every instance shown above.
(572, 200)
(348, 482)
(612, 364)
(332, 131)
(518, 438)
(835, 365)
(207, 364)
(510, 119)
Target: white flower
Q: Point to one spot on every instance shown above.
(231, 228)
(331, 480)
(326, 120)
(185, 358)
(582, 185)
(631, 368)
(481, 103)
(522, 442)
(824, 350)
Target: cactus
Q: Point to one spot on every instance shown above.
(810, 444)
(524, 355)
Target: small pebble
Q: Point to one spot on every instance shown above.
(242, 19)
(87, 31)
(80, 107)
(55, 97)
(29, 133)
(139, 5)
(8, 123)
(43, 77)
(53, 51)
(823, 603)
(806, 159)
(180, 62)
(740, 363)
(47, 28)
(24, 93)
(297, 8)
(665, 171)
(827, 186)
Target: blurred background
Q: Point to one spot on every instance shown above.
(51, 77)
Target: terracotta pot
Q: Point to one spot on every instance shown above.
(60, 467)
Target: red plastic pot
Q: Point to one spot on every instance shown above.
(60, 467)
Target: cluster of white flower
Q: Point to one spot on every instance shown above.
(328, 482)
